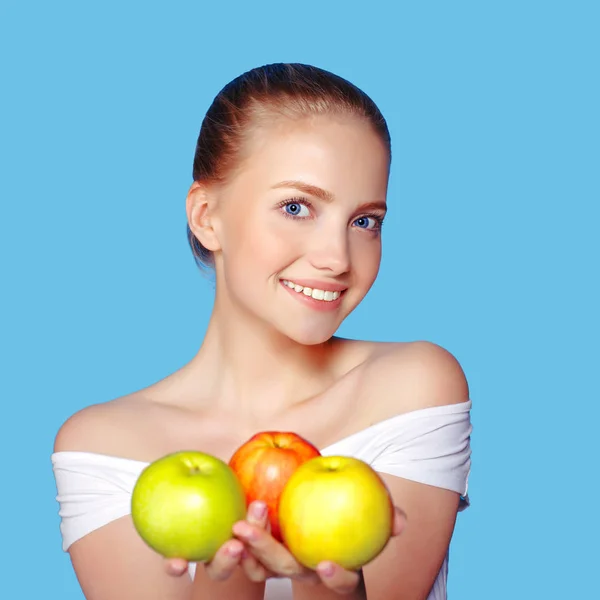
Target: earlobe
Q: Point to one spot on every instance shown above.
(200, 217)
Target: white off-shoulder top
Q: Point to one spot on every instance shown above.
(429, 445)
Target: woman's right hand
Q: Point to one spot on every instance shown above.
(231, 554)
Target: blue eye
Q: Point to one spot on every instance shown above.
(367, 223)
(295, 209)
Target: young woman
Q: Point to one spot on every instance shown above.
(287, 203)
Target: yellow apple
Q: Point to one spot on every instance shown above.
(335, 508)
(184, 505)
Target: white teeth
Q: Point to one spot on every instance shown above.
(325, 295)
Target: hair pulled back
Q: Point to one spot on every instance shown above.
(291, 90)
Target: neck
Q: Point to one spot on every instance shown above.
(246, 367)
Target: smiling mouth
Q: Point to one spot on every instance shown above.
(316, 294)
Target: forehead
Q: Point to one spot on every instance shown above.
(341, 154)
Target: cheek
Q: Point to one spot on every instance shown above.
(261, 242)
(366, 258)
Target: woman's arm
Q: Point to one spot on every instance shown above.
(409, 564)
(113, 562)
(234, 585)
(421, 375)
(302, 591)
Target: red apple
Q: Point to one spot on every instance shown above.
(264, 464)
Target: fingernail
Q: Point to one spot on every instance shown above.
(234, 551)
(326, 569)
(243, 529)
(259, 509)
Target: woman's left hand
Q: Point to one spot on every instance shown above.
(269, 558)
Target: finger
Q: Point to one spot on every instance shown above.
(176, 567)
(268, 551)
(259, 517)
(338, 579)
(252, 568)
(225, 561)
(400, 521)
(258, 514)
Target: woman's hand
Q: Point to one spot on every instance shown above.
(261, 556)
(231, 554)
(277, 561)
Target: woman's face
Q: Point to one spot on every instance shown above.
(299, 225)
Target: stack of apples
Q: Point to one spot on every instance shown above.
(334, 508)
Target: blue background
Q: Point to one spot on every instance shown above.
(490, 247)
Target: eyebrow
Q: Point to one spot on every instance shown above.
(322, 194)
(307, 188)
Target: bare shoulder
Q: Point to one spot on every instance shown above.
(135, 570)
(413, 375)
(112, 427)
(409, 377)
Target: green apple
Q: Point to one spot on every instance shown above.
(184, 505)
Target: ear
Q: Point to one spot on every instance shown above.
(200, 216)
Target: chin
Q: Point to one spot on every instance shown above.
(312, 336)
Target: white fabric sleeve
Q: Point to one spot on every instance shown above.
(430, 446)
(93, 490)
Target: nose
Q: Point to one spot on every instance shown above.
(330, 252)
